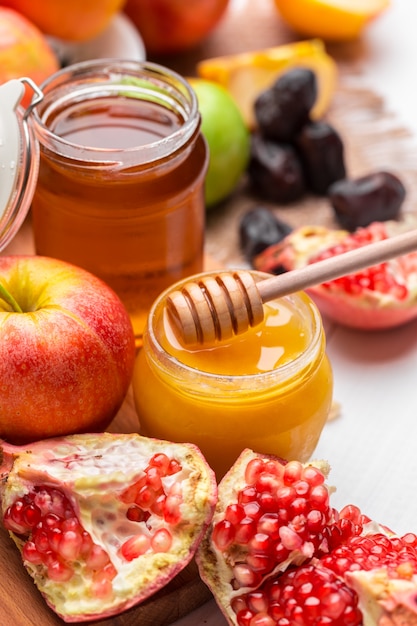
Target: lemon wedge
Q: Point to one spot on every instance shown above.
(246, 74)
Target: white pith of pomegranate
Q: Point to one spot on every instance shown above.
(382, 296)
(278, 554)
(104, 521)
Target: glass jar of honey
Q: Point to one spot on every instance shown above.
(120, 188)
(268, 389)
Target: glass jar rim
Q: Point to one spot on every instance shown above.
(262, 380)
(133, 79)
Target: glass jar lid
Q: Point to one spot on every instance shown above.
(19, 157)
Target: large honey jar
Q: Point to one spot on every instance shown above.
(120, 188)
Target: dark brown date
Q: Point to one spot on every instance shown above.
(374, 198)
(275, 171)
(259, 228)
(322, 155)
(284, 108)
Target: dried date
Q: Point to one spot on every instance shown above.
(275, 171)
(283, 109)
(322, 155)
(259, 228)
(374, 198)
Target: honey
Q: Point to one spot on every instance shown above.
(121, 179)
(269, 389)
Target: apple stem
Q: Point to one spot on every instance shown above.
(7, 297)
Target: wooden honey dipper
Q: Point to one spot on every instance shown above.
(221, 305)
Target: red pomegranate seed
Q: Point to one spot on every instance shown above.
(174, 467)
(172, 512)
(30, 553)
(70, 545)
(59, 572)
(158, 506)
(292, 472)
(161, 461)
(161, 540)
(98, 558)
(153, 478)
(136, 514)
(223, 534)
(234, 513)
(253, 470)
(135, 546)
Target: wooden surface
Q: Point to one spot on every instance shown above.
(373, 139)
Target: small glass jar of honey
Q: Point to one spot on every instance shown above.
(120, 188)
(268, 389)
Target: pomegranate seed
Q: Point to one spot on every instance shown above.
(313, 476)
(161, 540)
(290, 539)
(54, 538)
(260, 542)
(161, 461)
(234, 513)
(292, 472)
(59, 572)
(153, 478)
(172, 513)
(269, 524)
(135, 547)
(245, 530)
(70, 545)
(146, 497)
(262, 619)
(223, 534)
(244, 617)
(174, 467)
(158, 506)
(98, 558)
(253, 470)
(136, 514)
(245, 576)
(252, 510)
(30, 553)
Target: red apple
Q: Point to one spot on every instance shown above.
(24, 51)
(66, 359)
(168, 26)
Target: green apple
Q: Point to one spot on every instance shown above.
(227, 137)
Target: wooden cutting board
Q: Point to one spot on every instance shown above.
(373, 140)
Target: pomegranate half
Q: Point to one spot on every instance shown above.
(103, 521)
(379, 297)
(278, 554)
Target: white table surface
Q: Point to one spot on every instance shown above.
(372, 445)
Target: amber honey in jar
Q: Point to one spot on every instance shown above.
(121, 178)
(269, 389)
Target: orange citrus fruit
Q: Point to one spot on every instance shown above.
(332, 20)
(246, 74)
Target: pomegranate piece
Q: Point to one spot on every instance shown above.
(300, 562)
(382, 296)
(103, 521)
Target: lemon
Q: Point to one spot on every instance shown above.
(246, 74)
(227, 137)
(333, 20)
